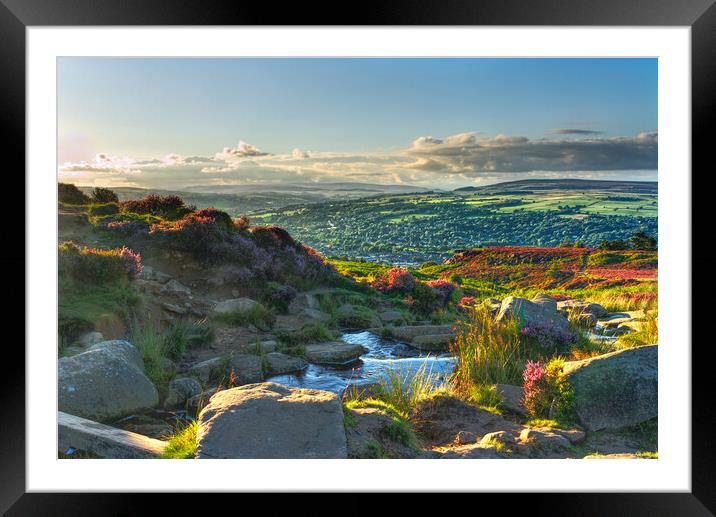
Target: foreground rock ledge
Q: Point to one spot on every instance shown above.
(105, 382)
(267, 420)
(615, 390)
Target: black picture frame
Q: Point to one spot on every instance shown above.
(16, 15)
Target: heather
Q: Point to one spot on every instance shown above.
(87, 264)
(547, 393)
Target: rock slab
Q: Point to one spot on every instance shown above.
(105, 382)
(615, 390)
(541, 312)
(267, 420)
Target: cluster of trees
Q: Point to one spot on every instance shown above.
(639, 241)
(70, 194)
(409, 229)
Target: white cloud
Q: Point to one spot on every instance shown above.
(429, 161)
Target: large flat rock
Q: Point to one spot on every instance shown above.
(268, 420)
(105, 382)
(615, 390)
(410, 332)
(334, 352)
(104, 441)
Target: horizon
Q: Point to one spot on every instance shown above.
(431, 123)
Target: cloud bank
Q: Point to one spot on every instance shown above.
(444, 162)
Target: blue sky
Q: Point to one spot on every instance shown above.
(301, 119)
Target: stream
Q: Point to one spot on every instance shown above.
(383, 355)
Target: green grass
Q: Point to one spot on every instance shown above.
(150, 343)
(499, 446)
(184, 334)
(652, 455)
(156, 346)
(404, 392)
(182, 444)
(485, 396)
(543, 422)
(487, 352)
(313, 332)
(375, 451)
(648, 333)
(83, 305)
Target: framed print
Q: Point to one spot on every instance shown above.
(334, 258)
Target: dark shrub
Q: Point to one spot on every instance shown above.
(423, 300)
(168, 207)
(104, 209)
(68, 193)
(272, 235)
(281, 296)
(104, 195)
(443, 289)
(221, 218)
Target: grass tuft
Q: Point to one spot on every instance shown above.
(182, 444)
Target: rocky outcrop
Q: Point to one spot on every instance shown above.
(236, 305)
(410, 332)
(180, 390)
(432, 342)
(105, 382)
(440, 419)
(512, 397)
(391, 317)
(615, 390)
(334, 352)
(369, 434)
(542, 313)
(278, 363)
(246, 367)
(268, 420)
(581, 307)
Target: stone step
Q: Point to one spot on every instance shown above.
(104, 441)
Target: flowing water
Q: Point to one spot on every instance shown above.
(383, 355)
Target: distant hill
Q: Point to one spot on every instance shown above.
(246, 199)
(530, 186)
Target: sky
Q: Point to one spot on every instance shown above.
(442, 123)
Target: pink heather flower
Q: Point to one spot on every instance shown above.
(131, 261)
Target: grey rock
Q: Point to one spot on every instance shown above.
(180, 390)
(268, 420)
(615, 390)
(90, 338)
(236, 305)
(279, 363)
(105, 382)
(512, 397)
(173, 286)
(410, 332)
(315, 314)
(391, 317)
(530, 313)
(432, 342)
(334, 352)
